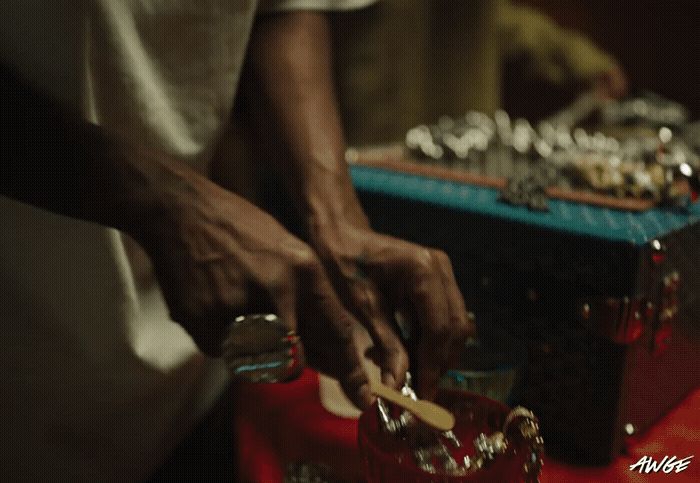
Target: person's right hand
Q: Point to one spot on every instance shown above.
(217, 256)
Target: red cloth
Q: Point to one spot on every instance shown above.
(277, 424)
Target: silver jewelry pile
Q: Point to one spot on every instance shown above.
(555, 154)
(430, 448)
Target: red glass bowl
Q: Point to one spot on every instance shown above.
(388, 459)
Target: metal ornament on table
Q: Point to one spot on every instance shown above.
(260, 348)
(430, 446)
(559, 155)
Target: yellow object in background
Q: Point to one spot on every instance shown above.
(405, 62)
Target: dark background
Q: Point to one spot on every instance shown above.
(657, 43)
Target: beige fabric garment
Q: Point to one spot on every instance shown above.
(97, 384)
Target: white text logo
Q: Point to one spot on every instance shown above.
(646, 464)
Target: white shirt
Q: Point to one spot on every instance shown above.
(96, 383)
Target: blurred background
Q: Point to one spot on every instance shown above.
(405, 62)
(655, 42)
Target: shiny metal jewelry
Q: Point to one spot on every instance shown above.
(260, 348)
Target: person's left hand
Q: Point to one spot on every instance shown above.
(377, 276)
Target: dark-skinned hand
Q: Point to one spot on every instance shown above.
(217, 256)
(377, 276)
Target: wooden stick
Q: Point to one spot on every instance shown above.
(428, 412)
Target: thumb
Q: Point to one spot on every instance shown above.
(393, 357)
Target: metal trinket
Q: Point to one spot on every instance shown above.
(260, 348)
(557, 154)
(430, 448)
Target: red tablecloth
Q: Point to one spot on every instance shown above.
(281, 423)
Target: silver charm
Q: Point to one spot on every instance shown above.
(260, 348)
(432, 455)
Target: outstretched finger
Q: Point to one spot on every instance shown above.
(432, 313)
(393, 358)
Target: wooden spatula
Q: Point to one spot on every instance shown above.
(428, 412)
